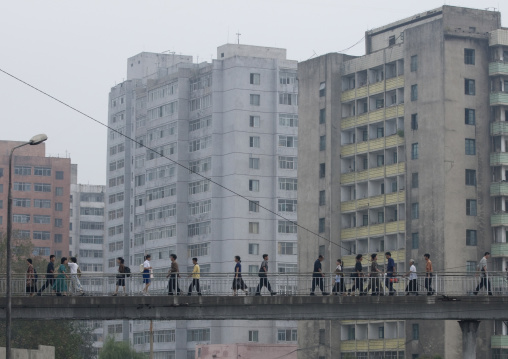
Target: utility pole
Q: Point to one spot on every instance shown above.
(238, 37)
(151, 339)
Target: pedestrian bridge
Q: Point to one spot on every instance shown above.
(259, 308)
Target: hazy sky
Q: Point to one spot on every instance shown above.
(77, 50)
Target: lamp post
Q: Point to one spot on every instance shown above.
(38, 139)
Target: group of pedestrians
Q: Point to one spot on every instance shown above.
(56, 278)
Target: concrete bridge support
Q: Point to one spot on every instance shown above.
(469, 332)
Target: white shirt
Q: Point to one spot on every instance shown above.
(412, 272)
(337, 277)
(73, 267)
(146, 264)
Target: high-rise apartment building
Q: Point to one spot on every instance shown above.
(400, 150)
(233, 121)
(41, 187)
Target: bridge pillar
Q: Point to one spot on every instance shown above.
(469, 332)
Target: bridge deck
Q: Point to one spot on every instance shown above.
(259, 308)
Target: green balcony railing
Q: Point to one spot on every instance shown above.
(498, 68)
(499, 342)
(499, 99)
(499, 189)
(499, 159)
(499, 250)
(499, 128)
(500, 219)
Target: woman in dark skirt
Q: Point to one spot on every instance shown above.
(238, 282)
(120, 277)
(31, 281)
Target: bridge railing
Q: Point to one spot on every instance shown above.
(222, 284)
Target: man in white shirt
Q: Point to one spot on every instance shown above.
(76, 284)
(484, 281)
(147, 268)
(412, 285)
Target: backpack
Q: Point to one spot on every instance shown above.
(141, 268)
(36, 276)
(128, 272)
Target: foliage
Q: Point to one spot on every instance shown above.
(22, 248)
(119, 350)
(72, 340)
(400, 133)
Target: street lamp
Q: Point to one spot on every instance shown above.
(38, 139)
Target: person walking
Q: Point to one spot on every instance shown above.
(238, 282)
(338, 285)
(374, 276)
(358, 276)
(120, 277)
(147, 267)
(50, 277)
(484, 280)
(173, 274)
(263, 277)
(60, 284)
(31, 280)
(195, 277)
(318, 276)
(412, 285)
(390, 273)
(428, 274)
(74, 269)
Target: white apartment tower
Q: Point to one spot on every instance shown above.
(233, 121)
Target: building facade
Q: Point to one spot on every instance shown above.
(233, 122)
(41, 191)
(397, 157)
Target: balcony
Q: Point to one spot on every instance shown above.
(390, 84)
(499, 99)
(498, 68)
(498, 37)
(499, 159)
(499, 189)
(499, 128)
(499, 342)
(372, 345)
(500, 219)
(375, 201)
(373, 173)
(377, 229)
(398, 256)
(372, 116)
(372, 145)
(499, 250)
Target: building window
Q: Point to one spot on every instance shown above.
(415, 240)
(253, 336)
(287, 227)
(414, 92)
(58, 238)
(415, 210)
(469, 87)
(254, 185)
(322, 170)
(253, 206)
(255, 79)
(381, 332)
(322, 198)
(254, 163)
(254, 121)
(59, 191)
(322, 89)
(469, 56)
(287, 205)
(414, 151)
(351, 333)
(414, 180)
(414, 63)
(58, 222)
(321, 225)
(59, 175)
(42, 171)
(470, 117)
(42, 219)
(255, 100)
(471, 237)
(322, 143)
(322, 336)
(23, 170)
(58, 206)
(416, 331)
(414, 121)
(470, 146)
(254, 248)
(287, 335)
(288, 163)
(288, 141)
(287, 248)
(470, 177)
(322, 116)
(471, 267)
(471, 207)
(254, 141)
(42, 187)
(198, 335)
(290, 99)
(254, 227)
(391, 40)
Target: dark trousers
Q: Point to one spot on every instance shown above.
(389, 284)
(338, 287)
(411, 287)
(49, 284)
(173, 284)
(195, 283)
(263, 282)
(484, 282)
(428, 285)
(317, 281)
(374, 284)
(357, 284)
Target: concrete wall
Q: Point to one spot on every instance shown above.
(44, 352)
(247, 351)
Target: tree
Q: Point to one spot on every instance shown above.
(119, 350)
(72, 340)
(22, 248)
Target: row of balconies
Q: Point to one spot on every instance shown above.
(373, 230)
(375, 201)
(371, 89)
(372, 116)
(372, 145)
(374, 173)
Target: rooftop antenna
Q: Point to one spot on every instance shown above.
(238, 37)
